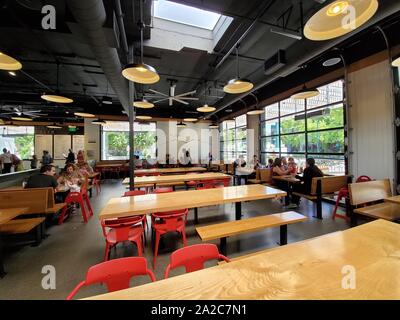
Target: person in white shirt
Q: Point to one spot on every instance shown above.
(6, 160)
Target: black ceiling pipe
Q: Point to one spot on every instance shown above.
(295, 54)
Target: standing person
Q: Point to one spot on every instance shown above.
(187, 159)
(80, 157)
(311, 171)
(70, 157)
(34, 162)
(6, 160)
(46, 158)
(17, 163)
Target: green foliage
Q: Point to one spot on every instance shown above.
(143, 142)
(118, 143)
(24, 146)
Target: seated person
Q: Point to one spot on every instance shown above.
(284, 163)
(270, 164)
(278, 170)
(138, 163)
(311, 171)
(71, 178)
(44, 179)
(292, 166)
(255, 163)
(85, 169)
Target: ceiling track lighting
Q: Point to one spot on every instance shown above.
(141, 72)
(339, 18)
(9, 63)
(238, 85)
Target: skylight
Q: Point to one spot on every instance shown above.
(185, 14)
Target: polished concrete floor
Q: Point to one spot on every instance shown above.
(75, 246)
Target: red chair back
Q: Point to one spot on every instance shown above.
(170, 219)
(163, 190)
(116, 274)
(363, 179)
(193, 257)
(121, 226)
(134, 193)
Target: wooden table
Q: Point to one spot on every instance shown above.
(288, 178)
(149, 203)
(141, 181)
(312, 269)
(394, 199)
(5, 216)
(170, 170)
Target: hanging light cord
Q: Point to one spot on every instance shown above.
(237, 62)
(141, 31)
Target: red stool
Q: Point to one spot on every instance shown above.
(78, 198)
(343, 193)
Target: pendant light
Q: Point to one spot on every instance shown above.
(256, 110)
(339, 18)
(181, 125)
(84, 115)
(55, 97)
(22, 117)
(305, 93)
(143, 104)
(106, 99)
(144, 117)
(54, 126)
(238, 85)
(99, 122)
(9, 63)
(396, 63)
(141, 72)
(206, 108)
(190, 119)
(213, 126)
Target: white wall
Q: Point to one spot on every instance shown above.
(92, 140)
(253, 136)
(371, 122)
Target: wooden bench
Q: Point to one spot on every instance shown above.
(24, 226)
(324, 186)
(223, 230)
(363, 198)
(263, 176)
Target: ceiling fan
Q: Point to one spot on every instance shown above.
(19, 111)
(171, 97)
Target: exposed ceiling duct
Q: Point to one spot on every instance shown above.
(296, 58)
(91, 17)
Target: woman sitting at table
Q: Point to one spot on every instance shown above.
(292, 166)
(85, 169)
(311, 171)
(71, 178)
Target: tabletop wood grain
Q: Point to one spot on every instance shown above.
(10, 213)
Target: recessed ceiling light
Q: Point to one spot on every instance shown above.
(56, 98)
(143, 104)
(144, 117)
(84, 115)
(331, 62)
(339, 18)
(190, 119)
(206, 108)
(9, 63)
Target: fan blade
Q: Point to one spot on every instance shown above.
(186, 94)
(186, 98)
(3, 114)
(181, 101)
(160, 100)
(155, 91)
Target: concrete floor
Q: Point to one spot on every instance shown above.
(74, 246)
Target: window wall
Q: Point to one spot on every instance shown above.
(115, 140)
(18, 140)
(307, 128)
(233, 137)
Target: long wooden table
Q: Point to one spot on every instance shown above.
(149, 203)
(154, 180)
(394, 199)
(318, 268)
(170, 170)
(5, 216)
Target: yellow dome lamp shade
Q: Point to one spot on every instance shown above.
(181, 125)
(9, 63)
(190, 119)
(140, 73)
(143, 104)
(54, 126)
(255, 112)
(305, 94)
(56, 98)
(396, 63)
(236, 86)
(84, 115)
(213, 126)
(144, 117)
(22, 117)
(339, 18)
(99, 122)
(206, 108)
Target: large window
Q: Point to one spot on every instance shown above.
(233, 138)
(18, 140)
(115, 140)
(307, 128)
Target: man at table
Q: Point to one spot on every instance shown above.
(44, 179)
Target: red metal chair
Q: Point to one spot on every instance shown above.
(96, 184)
(80, 198)
(122, 229)
(134, 193)
(116, 274)
(344, 193)
(193, 257)
(164, 222)
(163, 190)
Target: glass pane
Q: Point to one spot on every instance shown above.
(270, 144)
(291, 106)
(330, 164)
(116, 145)
(330, 93)
(293, 143)
(241, 146)
(293, 123)
(271, 112)
(331, 141)
(145, 144)
(270, 128)
(241, 121)
(241, 133)
(326, 118)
